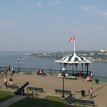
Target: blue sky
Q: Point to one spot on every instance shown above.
(47, 25)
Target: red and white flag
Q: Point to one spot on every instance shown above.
(72, 39)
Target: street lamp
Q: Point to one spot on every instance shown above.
(18, 62)
(63, 74)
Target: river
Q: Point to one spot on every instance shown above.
(11, 58)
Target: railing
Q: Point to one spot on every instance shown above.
(53, 71)
(30, 70)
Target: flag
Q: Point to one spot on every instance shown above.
(72, 39)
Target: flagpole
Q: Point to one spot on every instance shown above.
(74, 46)
(74, 43)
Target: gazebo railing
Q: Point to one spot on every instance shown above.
(78, 73)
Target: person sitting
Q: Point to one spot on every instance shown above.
(88, 78)
(5, 81)
(39, 72)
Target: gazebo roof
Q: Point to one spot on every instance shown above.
(73, 59)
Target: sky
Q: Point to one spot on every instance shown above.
(47, 25)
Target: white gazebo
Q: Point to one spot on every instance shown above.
(74, 60)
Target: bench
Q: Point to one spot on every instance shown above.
(12, 86)
(35, 89)
(70, 100)
(84, 102)
(71, 77)
(60, 91)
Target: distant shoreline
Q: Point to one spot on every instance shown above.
(91, 55)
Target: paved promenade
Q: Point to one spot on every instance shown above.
(50, 82)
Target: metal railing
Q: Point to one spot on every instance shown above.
(53, 71)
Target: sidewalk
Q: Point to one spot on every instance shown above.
(11, 101)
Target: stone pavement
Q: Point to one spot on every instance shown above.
(12, 100)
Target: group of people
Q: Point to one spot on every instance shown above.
(90, 93)
(40, 72)
(11, 70)
(8, 72)
(6, 81)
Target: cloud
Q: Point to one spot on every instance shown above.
(104, 13)
(94, 9)
(89, 8)
(56, 2)
(53, 3)
(38, 4)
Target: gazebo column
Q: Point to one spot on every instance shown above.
(72, 67)
(82, 67)
(60, 67)
(76, 67)
(87, 67)
(65, 66)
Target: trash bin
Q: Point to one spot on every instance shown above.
(83, 93)
(97, 81)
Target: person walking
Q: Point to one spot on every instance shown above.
(91, 92)
(10, 81)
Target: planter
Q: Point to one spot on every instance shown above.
(97, 81)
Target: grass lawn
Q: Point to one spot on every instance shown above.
(50, 101)
(5, 95)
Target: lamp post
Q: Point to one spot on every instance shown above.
(63, 74)
(18, 62)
